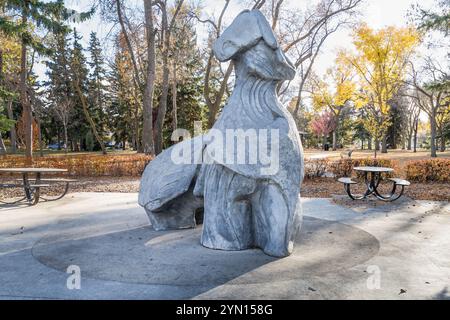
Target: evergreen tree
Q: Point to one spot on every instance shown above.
(80, 85)
(31, 16)
(96, 84)
(119, 108)
(78, 71)
(59, 89)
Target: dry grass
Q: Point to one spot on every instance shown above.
(317, 188)
(403, 155)
(326, 188)
(120, 172)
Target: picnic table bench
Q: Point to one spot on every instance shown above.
(32, 187)
(373, 182)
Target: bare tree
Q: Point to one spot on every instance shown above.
(412, 124)
(431, 100)
(147, 132)
(305, 33)
(214, 98)
(166, 32)
(301, 35)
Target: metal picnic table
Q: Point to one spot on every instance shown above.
(32, 188)
(372, 179)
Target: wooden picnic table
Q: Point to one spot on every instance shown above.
(372, 179)
(32, 188)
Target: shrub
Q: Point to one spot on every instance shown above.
(430, 170)
(316, 168)
(344, 167)
(87, 165)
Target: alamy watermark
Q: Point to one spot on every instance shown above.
(74, 280)
(374, 280)
(259, 147)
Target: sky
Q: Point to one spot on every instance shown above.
(376, 13)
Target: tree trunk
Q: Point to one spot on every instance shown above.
(335, 131)
(384, 144)
(174, 98)
(162, 108)
(416, 129)
(442, 140)
(433, 133)
(58, 136)
(88, 117)
(377, 144)
(12, 132)
(24, 101)
(147, 132)
(66, 145)
(409, 137)
(335, 140)
(137, 145)
(41, 147)
(215, 107)
(2, 146)
(369, 143)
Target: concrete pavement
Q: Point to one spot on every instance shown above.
(395, 251)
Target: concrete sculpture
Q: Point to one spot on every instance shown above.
(247, 200)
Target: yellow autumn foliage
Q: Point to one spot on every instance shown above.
(380, 61)
(336, 89)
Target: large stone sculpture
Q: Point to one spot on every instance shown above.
(247, 200)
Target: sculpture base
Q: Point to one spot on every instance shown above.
(177, 258)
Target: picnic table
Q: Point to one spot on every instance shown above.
(32, 187)
(372, 179)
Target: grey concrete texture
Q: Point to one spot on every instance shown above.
(121, 257)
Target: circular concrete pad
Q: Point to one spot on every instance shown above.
(146, 256)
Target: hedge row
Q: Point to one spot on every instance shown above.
(431, 170)
(87, 165)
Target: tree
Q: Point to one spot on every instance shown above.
(411, 111)
(60, 91)
(79, 84)
(435, 20)
(167, 26)
(300, 34)
(5, 125)
(442, 122)
(323, 125)
(97, 80)
(32, 15)
(147, 132)
(340, 78)
(9, 55)
(433, 100)
(359, 130)
(380, 63)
